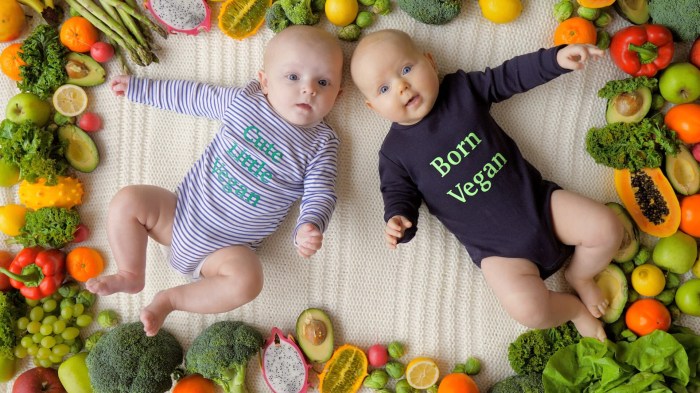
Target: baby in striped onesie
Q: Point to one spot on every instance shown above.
(273, 148)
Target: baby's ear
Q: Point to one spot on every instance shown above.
(262, 78)
(431, 59)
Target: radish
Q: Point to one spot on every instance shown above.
(90, 122)
(377, 355)
(101, 51)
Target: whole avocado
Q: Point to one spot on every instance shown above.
(432, 12)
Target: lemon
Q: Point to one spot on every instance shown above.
(341, 12)
(239, 19)
(501, 11)
(12, 219)
(70, 100)
(422, 373)
(648, 280)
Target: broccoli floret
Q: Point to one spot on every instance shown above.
(221, 353)
(530, 352)
(432, 12)
(275, 18)
(682, 17)
(299, 12)
(126, 360)
(526, 383)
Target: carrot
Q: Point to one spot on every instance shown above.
(84, 263)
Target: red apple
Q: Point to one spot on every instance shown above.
(695, 53)
(38, 379)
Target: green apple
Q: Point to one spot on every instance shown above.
(73, 373)
(680, 83)
(688, 297)
(28, 106)
(676, 253)
(9, 174)
(696, 266)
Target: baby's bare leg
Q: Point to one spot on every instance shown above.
(231, 277)
(523, 294)
(596, 233)
(135, 213)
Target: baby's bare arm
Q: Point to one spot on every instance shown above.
(573, 57)
(394, 230)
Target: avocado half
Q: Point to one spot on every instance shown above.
(80, 150)
(83, 70)
(629, 107)
(630, 240)
(613, 283)
(683, 171)
(635, 11)
(315, 335)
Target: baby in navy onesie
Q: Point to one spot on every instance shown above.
(445, 149)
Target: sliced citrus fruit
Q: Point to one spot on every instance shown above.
(242, 18)
(422, 373)
(70, 100)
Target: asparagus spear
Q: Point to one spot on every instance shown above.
(120, 5)
(126, 21)
(145, 30)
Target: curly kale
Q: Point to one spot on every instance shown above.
(432, 12)
(530, 352)
(125, 360)
(299, 12)
(49, 227)
(221, 353)
(34, 150)
(631, 145)
(616, 87)
(45, 59)
(526, 383)
(682, 17)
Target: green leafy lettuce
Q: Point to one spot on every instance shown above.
(617, 87)
(49, 227)
(35, 150)
(45, 56)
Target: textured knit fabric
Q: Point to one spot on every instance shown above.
(470, 173)
(241, 188)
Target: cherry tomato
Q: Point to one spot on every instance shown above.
(81, 233)
(90, 122)
(101, 51)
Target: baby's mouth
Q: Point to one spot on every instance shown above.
(413, 101)
(304, 106)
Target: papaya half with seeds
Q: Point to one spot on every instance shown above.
(650, 200)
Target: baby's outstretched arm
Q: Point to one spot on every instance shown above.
(119, 84)
(309, 239)
(395, 228)
(573, 57)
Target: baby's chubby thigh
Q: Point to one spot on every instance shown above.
(237, 273)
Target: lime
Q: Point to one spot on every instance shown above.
(242, 18)
(70, 100)
(422, 373)
(648, 280)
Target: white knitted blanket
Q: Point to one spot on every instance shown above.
(426, 294)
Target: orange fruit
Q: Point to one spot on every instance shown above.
(10, 61)
(341, 12)
(11, 20)
(78, 34)
(458, 383)
(239, 19)
(575, 30)
(690, 215)
(84, 263)
(646, 315)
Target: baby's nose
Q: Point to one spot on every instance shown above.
(309, 88)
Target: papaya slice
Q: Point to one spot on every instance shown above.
(344, 371)
(650, 200)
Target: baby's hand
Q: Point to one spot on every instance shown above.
(119, 84)
(572, 57)
(395, 228)
(309, 239)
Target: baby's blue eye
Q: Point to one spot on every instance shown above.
(383, 89)
(405, 70)
(293, 77)
(323, 82)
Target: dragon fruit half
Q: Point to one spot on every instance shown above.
(181, 16)
(283, 365)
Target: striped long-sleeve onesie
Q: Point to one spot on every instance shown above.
(257, 165)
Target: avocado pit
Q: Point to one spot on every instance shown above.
(629, 103)
(315, 331)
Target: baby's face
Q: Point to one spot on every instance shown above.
(399, 83)
(302, 82)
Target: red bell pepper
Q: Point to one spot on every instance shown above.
(36, 272)
(642, 50)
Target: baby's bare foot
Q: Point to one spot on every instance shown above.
(590, 294)
(590, 327)
(154, 314)
(120, 282)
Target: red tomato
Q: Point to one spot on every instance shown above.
(685, 120)
(81, 233)
(5, 261)
(690, 215)
(101, 51)
(90, 122)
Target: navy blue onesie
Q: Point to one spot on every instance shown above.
(470, 173)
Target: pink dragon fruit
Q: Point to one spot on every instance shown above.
(283, 365)
(181, 16)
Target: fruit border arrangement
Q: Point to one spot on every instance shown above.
(651, 140)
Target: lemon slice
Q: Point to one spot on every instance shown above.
(70, 100)
(422, 373)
